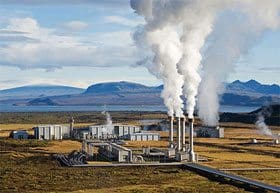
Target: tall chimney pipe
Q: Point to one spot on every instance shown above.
(191, 152)
(171, 131)
(183, 121)
(179, 134)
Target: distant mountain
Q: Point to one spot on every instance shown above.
(252, 87)
(117, 87)
(249, 93)
(41, 101)
(35, 91)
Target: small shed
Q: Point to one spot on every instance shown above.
(21, 134)
(210, 132)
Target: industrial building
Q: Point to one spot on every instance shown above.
(21, 134)
(51, 132)
(181, 150)
(143, 136)
(112, 131)
(116, 152)
(210, 132)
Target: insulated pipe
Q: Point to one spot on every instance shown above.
(191, 152)
(171, 131)
(183, 121)
(179, 134)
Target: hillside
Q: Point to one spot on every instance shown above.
(119, 87)
(272, 115)
(35, 91)
(239, 93)
(252, 87)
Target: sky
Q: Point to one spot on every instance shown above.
(79, 43)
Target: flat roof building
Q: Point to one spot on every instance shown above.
(112, 131)
(51, 132)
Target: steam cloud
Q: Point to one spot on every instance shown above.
(228, 44)
(177, 32)
(263, 129)
(109, 123)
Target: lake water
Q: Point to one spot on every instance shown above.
(11, 108)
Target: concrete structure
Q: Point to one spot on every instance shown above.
(143, 136)
(21, 134)
(211, 132)
(116, 152)
(112, 131)
(51, 132)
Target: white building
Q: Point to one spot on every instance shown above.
(112, 131)
(50, 132)
(21, 134)
(144, 136)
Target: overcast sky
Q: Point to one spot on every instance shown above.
(79, 43)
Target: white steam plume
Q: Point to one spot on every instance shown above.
(193, 21)
(262, 127)
(248, 21)
(109, 123)
(165, 45)
(197, 25)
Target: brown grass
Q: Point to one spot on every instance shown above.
(60, 146)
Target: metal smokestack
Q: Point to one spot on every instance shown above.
(71, 126)
(179, 147)
(183, 121)
(171, 131)
(191, 152)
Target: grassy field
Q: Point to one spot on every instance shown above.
(25, 170)
(27, 165)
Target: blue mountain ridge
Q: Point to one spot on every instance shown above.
(128, 93)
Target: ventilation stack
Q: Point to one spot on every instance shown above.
(191, 152)
(179, 145)
(71, 126)
(171, 132)
(183, 129)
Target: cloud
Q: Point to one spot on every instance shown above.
(111, 3)
(114, 19)
(51, 51)
(10, 32)
(75, 25)
(271, 68)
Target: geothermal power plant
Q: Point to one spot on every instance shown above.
(182, 152)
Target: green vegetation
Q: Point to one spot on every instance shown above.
(80, 117)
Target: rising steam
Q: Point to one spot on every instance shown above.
(228, 43)
(109, 123)
(179, 34)
(263, 129)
